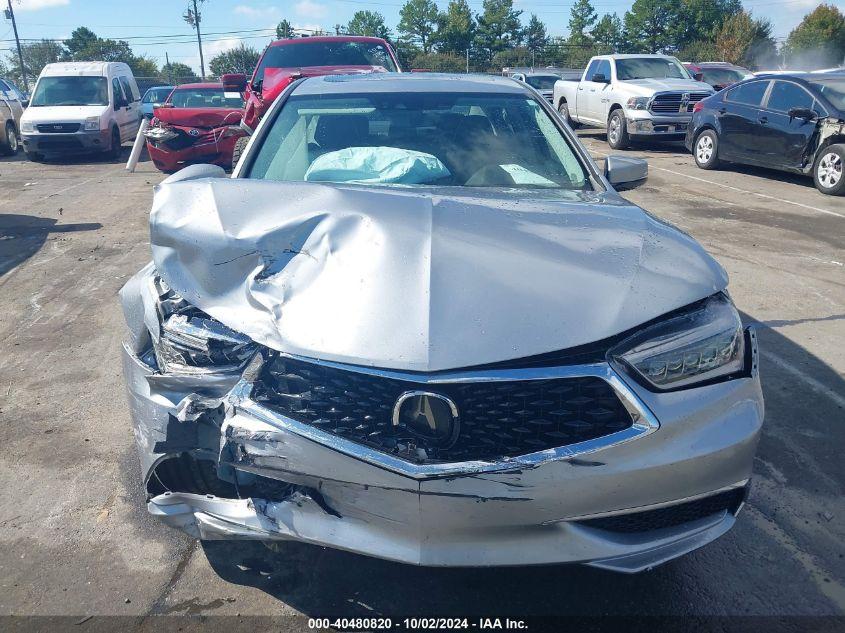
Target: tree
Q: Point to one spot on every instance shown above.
(700, 19)
(369, 23)
(284, 30)
(498, 27)
(581, 20)
(418, 22)
(36, 55)
(241, 59)
(81, 40)
(536, 37)
(84, 46)
(651, 26)
(145, 67)
(440, 62)
(819, 40)
(456, 28)
(607, 34)
(743, 40)
(178, 73)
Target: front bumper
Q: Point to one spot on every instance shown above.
(512, 512)
(642, 123)
(75, 143)
(208, 152)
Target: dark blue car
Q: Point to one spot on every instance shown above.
(793, 122)
(152, 97)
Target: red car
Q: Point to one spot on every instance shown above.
(717, 74)
(199, 123)
(287, 60)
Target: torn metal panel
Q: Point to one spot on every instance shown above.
(325, 271)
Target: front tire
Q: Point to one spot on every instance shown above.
(617, 131)
(829, 170)
(706, 150)
(10, 144)
(240, 145)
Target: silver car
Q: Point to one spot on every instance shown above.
(419, 323)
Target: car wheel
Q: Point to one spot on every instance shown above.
(828, 170)
(563, 109)
(240, 145)
(116, 145)
(617, 132)
(35, 157)
(706, 150)
(10, 143)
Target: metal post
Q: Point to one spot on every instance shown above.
(199, 39)
(169, 70)
(467, 61)
(18, 42)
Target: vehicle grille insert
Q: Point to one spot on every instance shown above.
(670, 516)
(497, 419)
(58, 128)
(674, 102)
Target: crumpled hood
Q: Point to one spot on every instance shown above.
(199, 117)
(420, 279)
(647, 87)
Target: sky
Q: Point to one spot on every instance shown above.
(153, 27)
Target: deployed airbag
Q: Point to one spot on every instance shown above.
(377, 165)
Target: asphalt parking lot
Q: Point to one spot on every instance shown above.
(75, 537)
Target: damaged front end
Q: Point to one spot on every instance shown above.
(172, 145)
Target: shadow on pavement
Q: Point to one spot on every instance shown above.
(22, 236)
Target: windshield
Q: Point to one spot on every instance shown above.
(70, 91)
(723, 76)
(833, 90)
(650, 68)
(204, 98)
(542, 82)
(459, 139)
(157, 95)
(305, 53)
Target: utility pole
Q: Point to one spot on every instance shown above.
(169, 70)
(11, 15)
(467, 61)
(194, 18)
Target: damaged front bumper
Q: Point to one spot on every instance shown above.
(671, 483)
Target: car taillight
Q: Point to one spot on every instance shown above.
(698, 106)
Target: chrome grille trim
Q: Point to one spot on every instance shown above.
(673, 102)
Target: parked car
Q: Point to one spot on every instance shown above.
(79, 107)
(633, 97)
(794, 123)
(11, 109)
(718, 74)
(285, 61)
(198, 123)
(419, 323)
(154, 97)
(542, 82)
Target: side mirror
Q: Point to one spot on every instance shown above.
(802, 113)
(234, 82)
(625, 173)
(698, 76)
(600, 79)
(25, 103)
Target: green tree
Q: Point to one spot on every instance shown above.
(651, 26)
(456, 28)
(178, 73)
(145, 67)
(284, 30)
(440, 62)
(36, 55)
(84, 46)
(536, 37)
(369, 23)
(499, 27)
(607, 34)
(819, 40)
(743, 40)
(418, 22)
(241, 59)
(581, 21)
(700, 19)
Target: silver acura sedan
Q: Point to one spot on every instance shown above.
(419, 323)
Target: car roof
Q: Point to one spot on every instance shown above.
(326, 38)
(409, 82)
(95, 69)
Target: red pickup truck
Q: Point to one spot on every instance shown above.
(285, 61)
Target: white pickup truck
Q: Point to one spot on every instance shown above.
(632, 96)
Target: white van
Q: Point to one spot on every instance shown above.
(81, 107)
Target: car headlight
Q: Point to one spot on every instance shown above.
(27, 127)
(191, 342)
(92, 124)
(699, 345)
(638, 103)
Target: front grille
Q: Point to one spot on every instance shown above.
(58, 128)
(671, 516)
(497, 419)
(674, 103)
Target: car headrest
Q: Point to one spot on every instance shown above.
(341, 130)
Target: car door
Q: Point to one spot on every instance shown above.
(134, 105)
(785, 138)
(582, 101)
(738, 115)
(11, 102)
(121, 108)
(597, 98)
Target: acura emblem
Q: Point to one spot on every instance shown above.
(427, 415)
